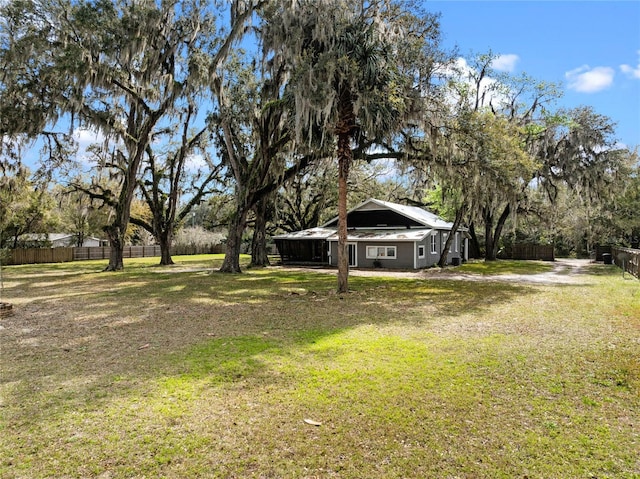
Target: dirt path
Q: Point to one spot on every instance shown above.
(565, 271)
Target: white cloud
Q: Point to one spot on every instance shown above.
(196, 162)
(589, 80)
(629, 70)
(505, 63)
(85, 138)
(491, 92)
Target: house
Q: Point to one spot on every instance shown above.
(57, 240)
(380, 234)
(69, 239)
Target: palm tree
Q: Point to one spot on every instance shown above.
(354, 77)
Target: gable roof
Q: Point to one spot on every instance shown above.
(414, 216)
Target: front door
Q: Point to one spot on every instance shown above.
(353, 254)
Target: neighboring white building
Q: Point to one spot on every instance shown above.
(62, 240)
(68, 239)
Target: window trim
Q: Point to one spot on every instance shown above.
(424, 250)
(386, 251)
(434, 244)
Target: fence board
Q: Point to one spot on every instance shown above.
(628, 259)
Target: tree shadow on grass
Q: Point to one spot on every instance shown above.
(84, 343)
(141, 351)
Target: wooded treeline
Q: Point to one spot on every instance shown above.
(254, 116)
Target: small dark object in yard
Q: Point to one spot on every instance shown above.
(607, 258)
(6, 309)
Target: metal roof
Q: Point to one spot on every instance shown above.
(423, 217)
(310, 234)
(385, 235)
(417, 214)
(331, 234)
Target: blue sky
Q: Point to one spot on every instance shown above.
(591, 48)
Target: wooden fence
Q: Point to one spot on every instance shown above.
(39, 255)
(102, 252)
(628, 259)
(530, 252)
(63, 255)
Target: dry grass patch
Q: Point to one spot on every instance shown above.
(184, 372)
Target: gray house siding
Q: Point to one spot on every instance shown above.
(433, 257)
(455, 250)
(440, 239)
(424, 261)
(404, 255)
(407, 253)
(403, 259)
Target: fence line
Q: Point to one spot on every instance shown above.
(39, 255)
(530, 252)
(628, 259)
(64, 255)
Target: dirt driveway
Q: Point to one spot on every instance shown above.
(565, 271)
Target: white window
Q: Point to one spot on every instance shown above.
(420, 251)
(455, 242)
(381, 252)
(434, 244)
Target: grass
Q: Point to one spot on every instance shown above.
(506, 267)
(183, 372)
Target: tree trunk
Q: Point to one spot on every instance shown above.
(116, 249)
(231, 263)
(475, 251)
(498, 231)
(165, 239)
(492, 237)
(259, 257)
(118, 228)
(488, 236)
(344, 160)
(442, 262)
(345, 129)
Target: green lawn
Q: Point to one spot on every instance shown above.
(182, 372)
(505, 267)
